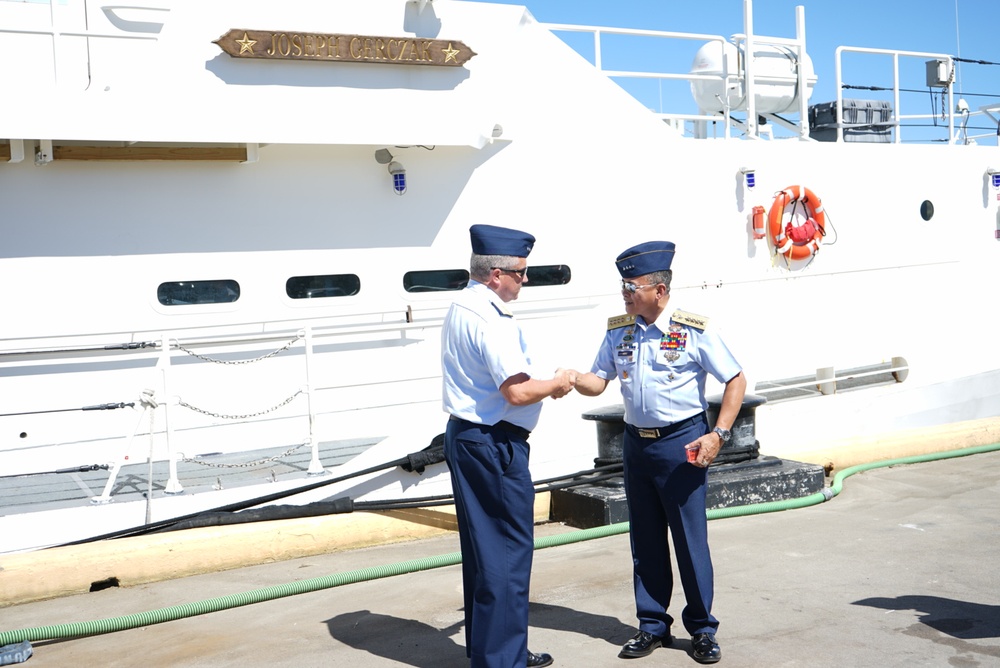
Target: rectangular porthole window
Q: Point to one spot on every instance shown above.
(183, 293)
(321, 287)
(435, 281)
(547, 274)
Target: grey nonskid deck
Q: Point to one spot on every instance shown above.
(19, 494)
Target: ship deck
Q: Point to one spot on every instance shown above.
(894, 571)
(51, 490)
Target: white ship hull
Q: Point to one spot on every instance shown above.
(582, 165)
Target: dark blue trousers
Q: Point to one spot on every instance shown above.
(663, 490)
(494, 501)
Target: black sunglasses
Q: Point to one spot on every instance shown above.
(519, 272)
(632, 288)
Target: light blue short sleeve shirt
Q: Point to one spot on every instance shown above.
(662, 367)
(481, 347)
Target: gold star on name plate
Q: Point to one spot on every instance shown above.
(450, 53)
(246, 44)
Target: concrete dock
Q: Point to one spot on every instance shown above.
(899, 569)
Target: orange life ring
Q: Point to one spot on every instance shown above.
(801, 241)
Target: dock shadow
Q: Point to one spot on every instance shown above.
(959, 619)
(405, 641)
(418, 644)
(599, 627)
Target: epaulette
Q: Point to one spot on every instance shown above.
(502, 309)
(690, 319)
(620, 321)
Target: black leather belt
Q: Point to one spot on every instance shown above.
(503, 425)
(520, 432)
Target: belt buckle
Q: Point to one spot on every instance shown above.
(649, 433)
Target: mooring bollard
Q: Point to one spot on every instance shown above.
(742, 447)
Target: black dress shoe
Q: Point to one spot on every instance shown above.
(538, 660)
(643, 644)
(706, 650)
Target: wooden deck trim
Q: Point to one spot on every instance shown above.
(207, 153)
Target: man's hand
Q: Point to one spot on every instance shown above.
(707, 449)
(710, 444)
(565, 382)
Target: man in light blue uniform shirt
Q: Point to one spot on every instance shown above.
(662, 359)
(493, 397)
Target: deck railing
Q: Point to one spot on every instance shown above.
(955, 116)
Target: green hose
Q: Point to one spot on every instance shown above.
(79, 629)
(224, 602)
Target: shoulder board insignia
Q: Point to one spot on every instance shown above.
(690, 319)
(619, 321)
(502, 310)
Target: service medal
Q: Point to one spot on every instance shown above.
(673, 343)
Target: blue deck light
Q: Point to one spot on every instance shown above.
(398, 177)
(398, 172)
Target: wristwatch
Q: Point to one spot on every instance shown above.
(724, 434)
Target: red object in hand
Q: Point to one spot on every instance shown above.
(693, 454)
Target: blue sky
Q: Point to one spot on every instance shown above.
(968, 28)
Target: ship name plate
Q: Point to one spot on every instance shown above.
(271, 45)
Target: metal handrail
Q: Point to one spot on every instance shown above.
(744, 73)
(776, 386)
(597, 31)
(896, 115)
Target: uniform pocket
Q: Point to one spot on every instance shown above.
(625, 366)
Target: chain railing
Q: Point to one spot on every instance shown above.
(151, 404)
(244, 465)
(214, 360)
(245, 416)
(242, 416)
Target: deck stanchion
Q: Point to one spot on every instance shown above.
(315, 465)
(116, 466)
(173, 483)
